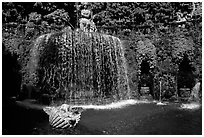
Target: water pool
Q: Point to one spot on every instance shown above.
(135, 119)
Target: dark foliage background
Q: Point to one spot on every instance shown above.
(148, 31)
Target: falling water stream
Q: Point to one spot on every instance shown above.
(75, 65)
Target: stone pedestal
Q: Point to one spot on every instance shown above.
(145, 93)
(185, 92)
(87, 26)
(144, 90)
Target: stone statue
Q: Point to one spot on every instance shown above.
(86, 20)
(195, 92)
(63, 116)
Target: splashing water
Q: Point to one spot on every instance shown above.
(161, 103)
(114, 105)
(76, 65)
(191, 106)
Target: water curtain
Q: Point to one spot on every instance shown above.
(77, 65)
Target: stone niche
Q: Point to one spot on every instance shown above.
(185, 78)
(146, 81)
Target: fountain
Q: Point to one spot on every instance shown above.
(75, 65)
(160, 95)
(78, 67)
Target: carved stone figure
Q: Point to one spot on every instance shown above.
(63, 116)
(195, 92)
(86, 21)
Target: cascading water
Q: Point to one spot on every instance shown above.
(77, 65)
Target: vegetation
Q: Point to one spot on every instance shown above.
(150, 32)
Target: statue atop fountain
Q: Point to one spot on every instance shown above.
(86, 20)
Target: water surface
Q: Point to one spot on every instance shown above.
(138, 119)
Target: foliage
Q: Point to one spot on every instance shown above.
(58, 17)
(170, 49)
(138, 48)
(115, 14)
